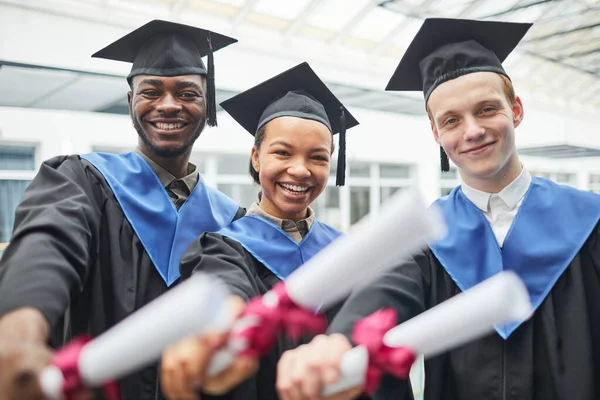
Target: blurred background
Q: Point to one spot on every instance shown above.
(55, 99)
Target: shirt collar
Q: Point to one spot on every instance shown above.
(166, 178)
(256, 210)
(511, 195)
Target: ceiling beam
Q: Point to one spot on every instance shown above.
(300, 21)
(349, 27)
(243, 12)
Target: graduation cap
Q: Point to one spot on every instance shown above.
(166, 48)
(297, 92)
(446, 49)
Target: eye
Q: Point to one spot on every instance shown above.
(283, 153)
(189, 95)
(488, 109)
(321, 158)
(149, 93)
(450, 121)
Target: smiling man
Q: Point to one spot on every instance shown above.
(500, 218)
(98, 236)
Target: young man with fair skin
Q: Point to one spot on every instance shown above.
(98, 236)
(499, 218)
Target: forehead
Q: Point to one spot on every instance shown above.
(168, 80)
(465, 91)
(297, 129)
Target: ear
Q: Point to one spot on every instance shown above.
(255, 159)
(129, 99)
(436, 135)
(518, 111)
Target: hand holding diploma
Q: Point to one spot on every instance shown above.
(383, 348)
(195, 306)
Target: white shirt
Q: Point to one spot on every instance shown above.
(501, 208)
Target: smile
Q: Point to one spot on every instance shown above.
(168, 126)
(294, 188)
(479, 149)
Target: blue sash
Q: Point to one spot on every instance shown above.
(164, 231)
(548, 231)
(276, 249)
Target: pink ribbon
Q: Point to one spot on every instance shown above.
(395, 361)
(275, 315)
(67, 360)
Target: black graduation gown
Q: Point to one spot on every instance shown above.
(553, 356)
(246, 277)
(76, 258)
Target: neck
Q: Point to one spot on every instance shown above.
(175, 165)
(497, 182)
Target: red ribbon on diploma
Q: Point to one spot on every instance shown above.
(395, 361)
(67, 360)
(276, 312)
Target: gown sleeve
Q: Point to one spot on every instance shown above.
(54, 239)
(401, 288)
(224, 258)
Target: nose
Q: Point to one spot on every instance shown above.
(168, 104)
(473, 129)
(299, 169)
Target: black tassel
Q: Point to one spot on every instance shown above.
(211, 108)
(340, 179)
(445, 160)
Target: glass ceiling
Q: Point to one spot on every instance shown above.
(559, 59)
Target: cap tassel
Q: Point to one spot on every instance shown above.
(340, 179)
(445, 160)
(211, 108)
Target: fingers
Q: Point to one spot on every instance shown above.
(20, 366)
(242, 369)
(302, 372)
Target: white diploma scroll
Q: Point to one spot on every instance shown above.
(401, 228)
(465, 317)
(196, 305)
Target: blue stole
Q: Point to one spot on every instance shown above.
(551, 226)
(164, 231)
(275, 248)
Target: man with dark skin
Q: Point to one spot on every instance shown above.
(98, 236)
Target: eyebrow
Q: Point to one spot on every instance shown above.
(496, 102)
(289, 146)
(180, 85)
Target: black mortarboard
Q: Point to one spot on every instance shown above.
(297, 92)
(445, 49)
(166, 48)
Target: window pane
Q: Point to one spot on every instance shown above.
(17, 158)
(452, 174)
(10, 196)
(394, 171)
(232, 165)
(244, 195)
(360, 170)
(387, 191)
(565, 178)
(359, 203)
(327, 207)
(445, 191)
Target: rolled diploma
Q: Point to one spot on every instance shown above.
(465, 317)
(401, 228)
(197, 304)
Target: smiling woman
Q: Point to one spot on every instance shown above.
(293, 118)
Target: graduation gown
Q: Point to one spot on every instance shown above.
(251, 256)
(79, 251)
(555, 355)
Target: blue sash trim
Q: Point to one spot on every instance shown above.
(551, 226)
(164, 231)
(276, 249)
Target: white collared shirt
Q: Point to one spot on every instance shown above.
(500, 208)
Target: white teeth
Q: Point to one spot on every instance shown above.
(169, 127)
(294, 188)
